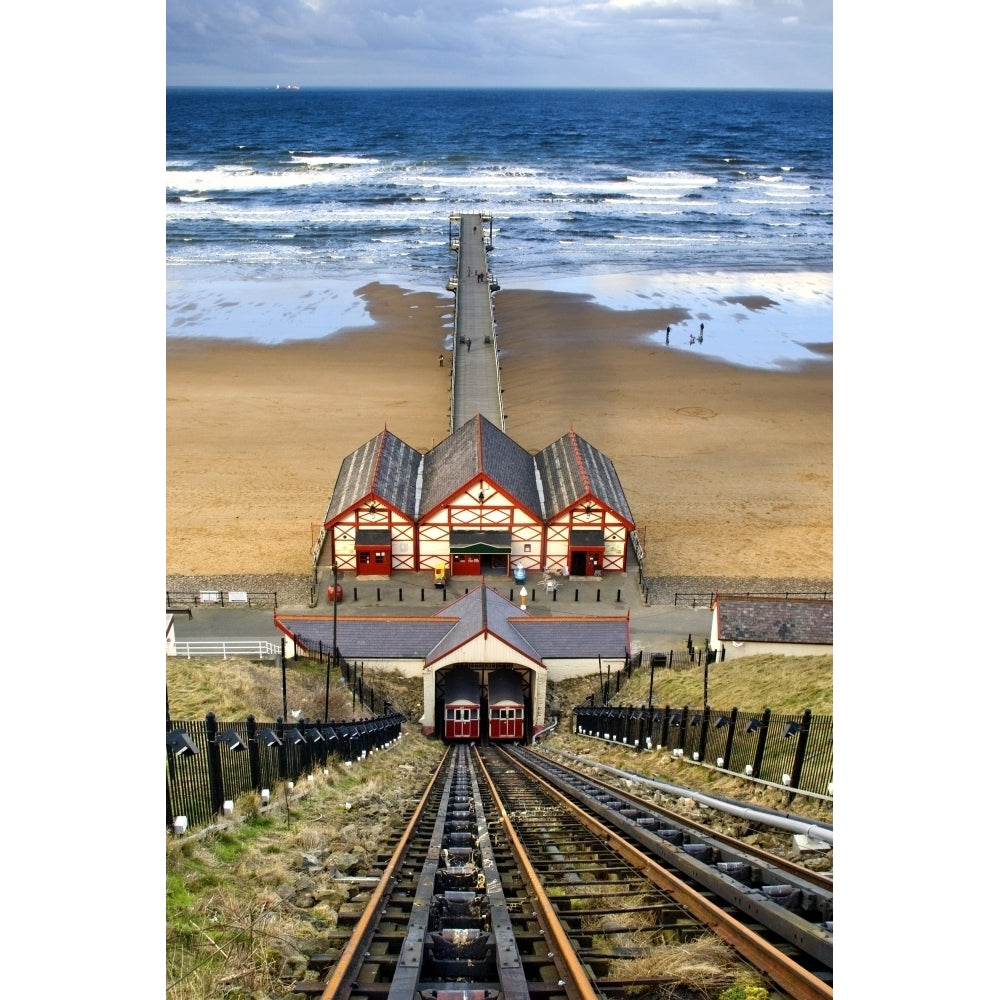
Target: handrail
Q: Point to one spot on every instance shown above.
(226, 648)
(215, 598)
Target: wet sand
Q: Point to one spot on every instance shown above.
(728, 470)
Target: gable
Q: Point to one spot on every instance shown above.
(478, 450)
(385, 467)
(571, 470)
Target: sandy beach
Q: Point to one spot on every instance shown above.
(728, 470)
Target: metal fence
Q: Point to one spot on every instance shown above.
(705, 600)
(795, 751)
(211, 763)
(351, 672)
(183, 599)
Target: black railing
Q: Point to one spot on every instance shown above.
(706, 599)
(219, 761)
(221, 599)
(794, 751)
(351, 672)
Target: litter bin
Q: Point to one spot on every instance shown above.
(657, 659)
(335, 593)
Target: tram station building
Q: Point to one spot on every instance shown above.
(477, 504)
(481, 631)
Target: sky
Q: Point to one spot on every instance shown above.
(501, 43)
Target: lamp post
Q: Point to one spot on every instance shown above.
(708, 659)
(651, 670)
(284, 685)
(333, 652)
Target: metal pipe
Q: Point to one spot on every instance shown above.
(776, 820)
(542, 732)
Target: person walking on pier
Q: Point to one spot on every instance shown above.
(468, 344)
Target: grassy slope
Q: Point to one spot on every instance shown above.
(243, 908)
(233, 689)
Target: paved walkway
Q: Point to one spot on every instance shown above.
(475, 384)
(653, 628)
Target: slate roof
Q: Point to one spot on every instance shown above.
(571, 469)
(385, 467)
(483, 610)
(570, 638)
(367, 636)
(480, 611)
(478, 449)
(765, 619)
(568, 471)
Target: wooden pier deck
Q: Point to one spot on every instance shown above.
(475, 372)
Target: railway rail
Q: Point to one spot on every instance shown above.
(520, 879)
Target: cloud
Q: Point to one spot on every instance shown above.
(655, 43)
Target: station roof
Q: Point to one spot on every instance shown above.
(482, 610)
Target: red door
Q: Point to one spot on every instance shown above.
(372, 561)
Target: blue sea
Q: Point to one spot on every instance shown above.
(281, 203)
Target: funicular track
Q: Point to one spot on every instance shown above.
(501, 888)
(775, 914)
(452, 918)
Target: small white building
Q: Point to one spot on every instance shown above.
(788, 626)
(171, 636)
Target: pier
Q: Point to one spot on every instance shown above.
(475, 370)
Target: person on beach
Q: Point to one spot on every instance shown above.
(701, 333)
(668, 334)
(691, 341)
(441, 361)
(468, 344)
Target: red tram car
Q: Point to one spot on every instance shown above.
(506, 705)
(461, 705)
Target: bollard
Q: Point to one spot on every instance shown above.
(355, 595)
(619, 597)
(444, 594)
(532, 593)
(576, 594)
(421, 593)
(554, 592)
(378, 593)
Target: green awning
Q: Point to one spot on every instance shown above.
(480, 543)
